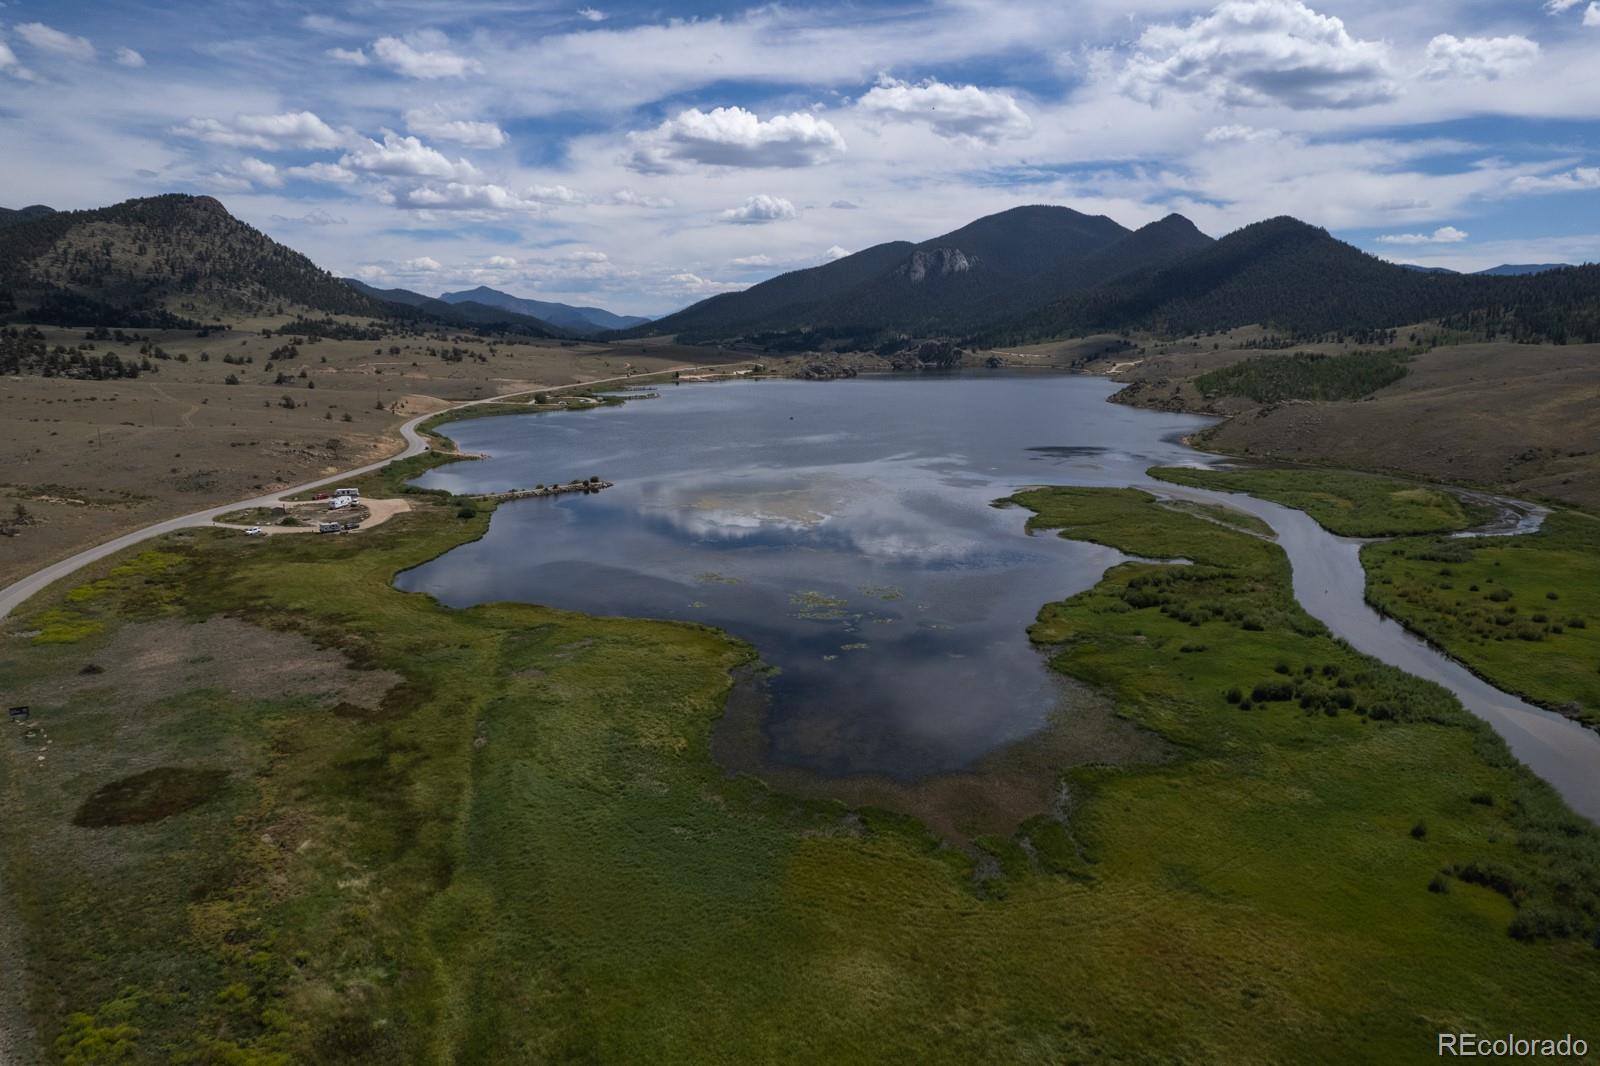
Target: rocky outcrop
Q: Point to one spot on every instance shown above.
(937, 262)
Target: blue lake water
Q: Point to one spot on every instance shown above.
(844, 529)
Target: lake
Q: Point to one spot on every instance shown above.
(844, 529)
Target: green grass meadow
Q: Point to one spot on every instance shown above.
(1523, 611)
(525, 852)
(1344, 502)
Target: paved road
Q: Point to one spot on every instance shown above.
(13, 596)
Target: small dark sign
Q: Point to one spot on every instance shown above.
(19, 714)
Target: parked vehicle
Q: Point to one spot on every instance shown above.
(329, 527)
(252, 531)
(353, 492)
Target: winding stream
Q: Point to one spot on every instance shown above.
(1330, 583)
(845, 530)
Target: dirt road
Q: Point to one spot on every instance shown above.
(14, 595)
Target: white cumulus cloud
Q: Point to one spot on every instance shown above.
(734, 137)
(47, 39)
(354, 56)
(500, 262)
(332, 173)
(400, 156)
(1442, 235)
(291, 129)
(466, 196)
(835, 253)
(432, 122)
(1261, 52)
(955, 111)
(591, 14)
(260, 172)
(629, 198)
(1591, 15)
(761, 208)
(127, 57)
(694, 285)
(423, 55)
(424, 264)
(1478, 57)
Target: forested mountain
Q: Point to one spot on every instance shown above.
(405, 304)
(997, 266)
(157, 261)
(1035, 273)
(1300, 280)
(12, 216)
(576, 320)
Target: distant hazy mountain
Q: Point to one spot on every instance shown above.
(1511, 270)
(155, 261)
(1426, 269)
(998, 266)
(10, 217)
(573, 319)
(468, 313)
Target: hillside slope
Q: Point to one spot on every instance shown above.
(164, 257)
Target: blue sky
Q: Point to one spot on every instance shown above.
(643, 156)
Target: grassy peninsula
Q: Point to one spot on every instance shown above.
(1344, 502)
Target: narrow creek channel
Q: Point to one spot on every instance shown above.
(1330, 583)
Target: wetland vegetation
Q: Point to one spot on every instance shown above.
(1344, 502)
(498, 833)
(1522, 611)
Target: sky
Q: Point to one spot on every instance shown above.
(642, 156)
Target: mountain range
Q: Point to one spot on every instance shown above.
(578, 320)
(1030, 273)
(1033, 273)
(1504, 270)
(997, 267)
(403, 303)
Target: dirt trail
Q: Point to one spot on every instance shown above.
(18, 592)
(187, 417)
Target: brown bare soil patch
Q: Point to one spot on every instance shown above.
(150, 661)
